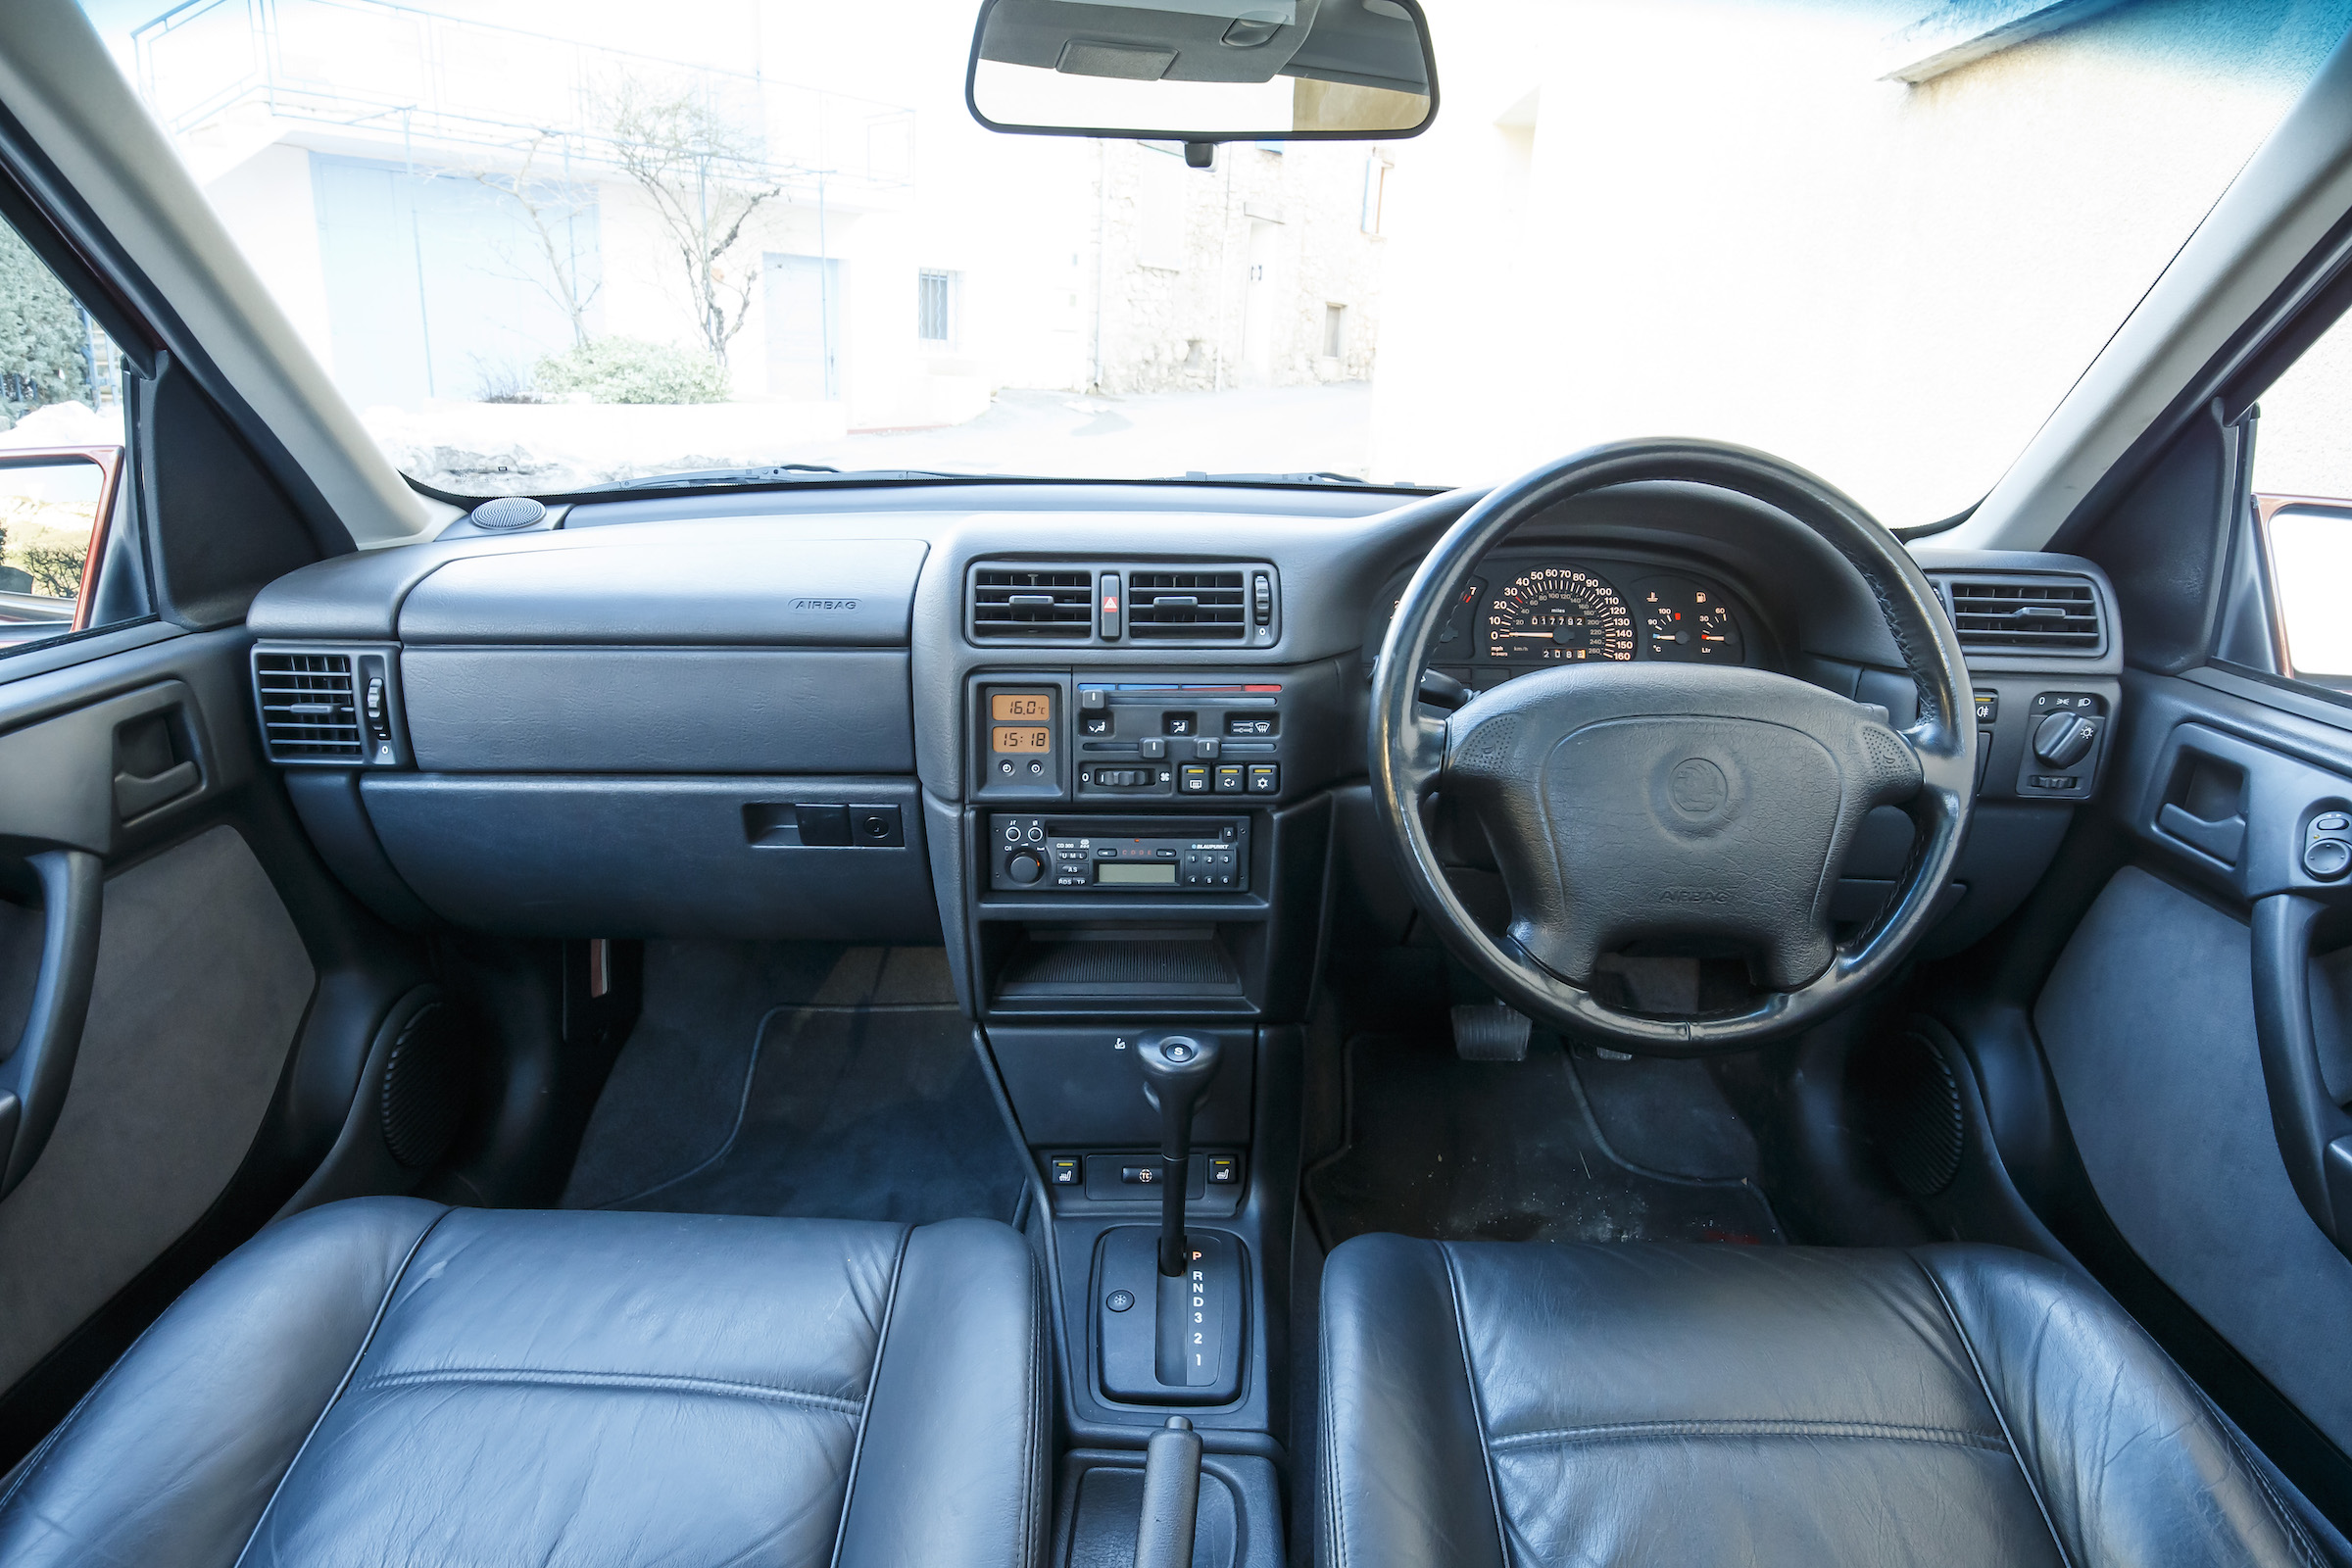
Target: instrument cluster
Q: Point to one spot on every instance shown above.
(1525, 614)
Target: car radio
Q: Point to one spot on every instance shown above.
(1119, 853)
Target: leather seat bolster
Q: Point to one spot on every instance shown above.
(2113, 1436)
(951, 1464)
(174, 1455)
(1399, 1416)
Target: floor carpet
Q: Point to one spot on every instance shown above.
(1511, 1151)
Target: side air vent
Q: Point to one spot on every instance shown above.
(309, 707)
(1024, 605)
(2026, 615)
(1201, 607)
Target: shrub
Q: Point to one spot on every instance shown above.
(630, 370)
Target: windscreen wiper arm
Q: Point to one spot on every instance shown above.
(775, 473)
(1312, 476)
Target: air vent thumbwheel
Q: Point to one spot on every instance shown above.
(424, 1086)
(1909, 1103)
(507, 513)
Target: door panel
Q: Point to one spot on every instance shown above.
(201, 984)
(234, 991)
(2148, 1024)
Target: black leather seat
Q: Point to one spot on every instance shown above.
(388, 1380)
(1487, 1402)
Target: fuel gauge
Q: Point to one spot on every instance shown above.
(1685, 620)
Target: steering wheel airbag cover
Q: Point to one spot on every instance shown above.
(1674, 802)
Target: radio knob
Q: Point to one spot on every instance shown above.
(1024, 869)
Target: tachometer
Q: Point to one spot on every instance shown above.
(1558, 614)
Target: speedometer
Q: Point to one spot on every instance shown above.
(1558, 614)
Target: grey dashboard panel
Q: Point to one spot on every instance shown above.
(746, 587)
(653, 857)
(575, 710)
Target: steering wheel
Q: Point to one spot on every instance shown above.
(1634, 802)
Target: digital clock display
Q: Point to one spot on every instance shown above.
(1037, 707)
(1023, 737)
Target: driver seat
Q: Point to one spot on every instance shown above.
(1652, 1403)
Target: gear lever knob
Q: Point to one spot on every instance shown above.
(1177, 1070)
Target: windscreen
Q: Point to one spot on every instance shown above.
(544, 246)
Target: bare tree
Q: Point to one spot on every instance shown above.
(705, 178)
(552, 209)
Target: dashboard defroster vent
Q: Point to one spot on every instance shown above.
(2026, 615)
(1026, 605)
(1187, 606)
(309, 707)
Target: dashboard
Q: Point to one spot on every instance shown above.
(1104, 742)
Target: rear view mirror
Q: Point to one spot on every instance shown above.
(54, 505)
(1203, 70)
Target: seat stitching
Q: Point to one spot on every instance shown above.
(873, 1377)
(383, 1305)
(1478, 1409)
(2305, 1547)
(649, 1381)
(1033, 1420)
(1985, 1385)
(1869, 1431)
(1327, 1458)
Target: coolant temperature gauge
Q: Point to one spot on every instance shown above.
(1685, 621)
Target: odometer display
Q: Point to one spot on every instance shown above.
(1557, 615)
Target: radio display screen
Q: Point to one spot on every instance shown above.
(1037, 707)
(1023, 737)
(1138, 873)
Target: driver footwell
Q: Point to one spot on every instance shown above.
(1565, 1145)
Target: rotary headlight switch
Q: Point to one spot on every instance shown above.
(2062, 740)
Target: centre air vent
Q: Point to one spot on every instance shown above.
(309, 707)
(1201, 607)
(1027, 604)
(2026, 615)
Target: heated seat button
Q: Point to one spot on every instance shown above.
(1065, 1172)
(1224, 1170)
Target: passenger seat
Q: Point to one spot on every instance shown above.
(388, 1380)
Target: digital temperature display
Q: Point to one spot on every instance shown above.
(1037, 707)
(1023, 737)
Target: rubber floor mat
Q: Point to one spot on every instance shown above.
(1507, 1152)
(864, 1101)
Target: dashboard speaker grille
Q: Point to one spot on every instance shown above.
(1028, 604)
(2027, 614)
(1208, 607)
(309, 708)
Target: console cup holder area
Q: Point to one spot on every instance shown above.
(1182, 963)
